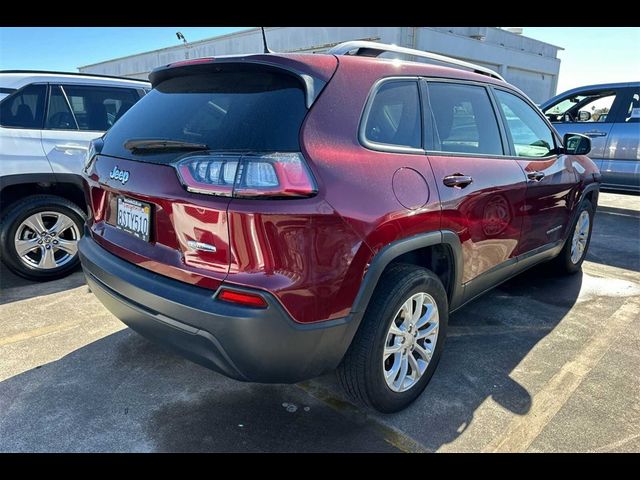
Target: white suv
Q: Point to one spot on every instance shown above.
(47, 121)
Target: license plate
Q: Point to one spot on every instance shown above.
(134, 217)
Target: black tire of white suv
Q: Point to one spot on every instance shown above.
(47, 254)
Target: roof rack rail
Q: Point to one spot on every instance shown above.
(373, 49)
(79, 74)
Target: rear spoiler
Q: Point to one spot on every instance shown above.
(313, 85)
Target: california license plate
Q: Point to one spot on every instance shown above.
(134, 217)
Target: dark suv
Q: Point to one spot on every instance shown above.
(274, 217)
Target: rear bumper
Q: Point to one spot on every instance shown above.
(249, 344)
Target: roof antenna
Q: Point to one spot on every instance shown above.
(264, 41)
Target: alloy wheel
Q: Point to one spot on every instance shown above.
(580, 236)
(410, 342)
(47, 240)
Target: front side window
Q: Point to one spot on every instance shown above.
(98, 108)
(530, 134)
(395, 115)
(464, 119)
(584, 107)
(25, 108)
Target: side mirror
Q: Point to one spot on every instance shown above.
(576, 144)
(584, 115)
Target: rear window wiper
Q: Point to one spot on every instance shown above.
(140, 145)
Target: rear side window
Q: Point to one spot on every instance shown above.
(59, 116)
(237, 111)
(632, 114)
(25, 108)
(464, 120)
(530, 134)
(98, 108)
(394, 115)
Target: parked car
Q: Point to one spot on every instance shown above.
(610, 115)
(47, 120)
(301, 212)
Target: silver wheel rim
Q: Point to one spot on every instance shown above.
(47, 240)
(580, 235)
(410, 342)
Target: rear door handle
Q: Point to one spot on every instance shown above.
(535, 176)
(595, 133)
(457, 180)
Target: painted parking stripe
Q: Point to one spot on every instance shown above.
(522, 431)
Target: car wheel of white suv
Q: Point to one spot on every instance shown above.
(39, 237)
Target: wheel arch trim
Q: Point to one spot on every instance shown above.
(43, 177)
(390, 252)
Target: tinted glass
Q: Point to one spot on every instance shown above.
(464, 119)
(257, 111)
(59, 117)
(531, 135)
(632, 114)
(394, 116)
(25, 108)
(97, 108)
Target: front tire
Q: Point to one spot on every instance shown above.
(399, 343)
(570, 258)
(39, 236)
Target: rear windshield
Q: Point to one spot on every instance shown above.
(257, 111)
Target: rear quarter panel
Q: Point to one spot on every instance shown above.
(357, 182)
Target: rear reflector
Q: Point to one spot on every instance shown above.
(242, 298)
(275, 175)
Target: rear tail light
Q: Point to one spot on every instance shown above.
(273, 175)
(242, 298)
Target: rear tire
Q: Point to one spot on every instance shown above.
(366, 374)
(569, 260)
(50, 209)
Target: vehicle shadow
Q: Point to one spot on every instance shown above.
(123, 393)
(14, 288)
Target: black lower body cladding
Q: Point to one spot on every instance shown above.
(249, 344)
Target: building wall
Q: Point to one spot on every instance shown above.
(528, 64)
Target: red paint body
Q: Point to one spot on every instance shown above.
(312, 253)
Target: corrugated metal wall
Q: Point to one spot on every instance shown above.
(528, 64)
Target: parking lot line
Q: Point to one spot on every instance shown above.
(484, 330)
(392, 436)
(523, 430)
(38, 332)
(609, 271)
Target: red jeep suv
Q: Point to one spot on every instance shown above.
(277, 216)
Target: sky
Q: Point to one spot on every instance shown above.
(591, 55)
